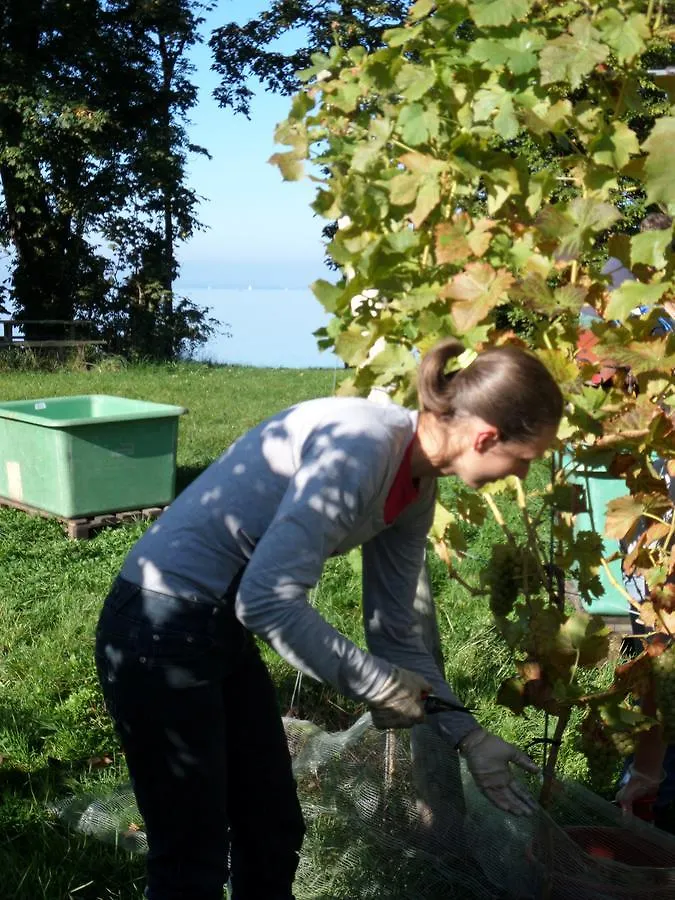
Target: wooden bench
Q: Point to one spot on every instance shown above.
(10, 338)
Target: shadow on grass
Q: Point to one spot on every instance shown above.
(185, 475)
(42, 860)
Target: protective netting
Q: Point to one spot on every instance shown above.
(395, 816)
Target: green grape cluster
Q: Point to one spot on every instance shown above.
(663, 669)
(624, 742)
(599, 749)
(544, 627)
(503, 576)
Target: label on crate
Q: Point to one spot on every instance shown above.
(14, 483)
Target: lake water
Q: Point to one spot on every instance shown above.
(268, 327)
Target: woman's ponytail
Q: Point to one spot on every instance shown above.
(434, 385)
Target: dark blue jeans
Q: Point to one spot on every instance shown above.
(197, 716)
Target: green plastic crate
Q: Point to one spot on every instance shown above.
(86, 455)
(600, 487)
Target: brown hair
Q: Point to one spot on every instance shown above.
(505, 386)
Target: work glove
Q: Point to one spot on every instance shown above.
(488, 758)
(640, 786)
(400, 702)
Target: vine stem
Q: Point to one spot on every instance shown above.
(475, 592)
(633, 602)
(522, 503)
(671, 533)
(499, 518)
(551, 762)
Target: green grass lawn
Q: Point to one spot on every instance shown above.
(55, 738)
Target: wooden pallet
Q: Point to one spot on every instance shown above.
(84, 527)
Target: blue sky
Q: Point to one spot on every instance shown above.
(261, 229)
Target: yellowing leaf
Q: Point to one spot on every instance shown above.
(476, 290)
(481, 236)
(452, 245)
(291, 168)
(457, 240)
(403, 188)
(563, 369)
(659, 181)
(572, 56)
(427, 200)
(650, 355)
(623, 514)
(422, 163)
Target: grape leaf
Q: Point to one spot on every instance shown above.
(615, 146)
(659, 182)
(496, 104)
(587, 636)
(623, 515)
(327, 294)
(352, 345)
(418, 123)
(452, 244)
(427, 200)
(649, 247)
(491, 13)
(291, 168)
(393, 359)
(630, 295)
(414, 81)
(626, 36)
(420, 9)
(481, 236)
(572, 56)
(477, 290)
(573, 225)
(403, 188)
(518, 54)
(651, 355)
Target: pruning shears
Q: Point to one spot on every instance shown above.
(435, 704)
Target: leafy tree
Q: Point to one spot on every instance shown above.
(47, 133)
(244, 51)
(93, 148)
(483, 156)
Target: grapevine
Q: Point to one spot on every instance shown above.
(663, 668)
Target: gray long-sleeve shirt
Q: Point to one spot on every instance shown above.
(306, 484)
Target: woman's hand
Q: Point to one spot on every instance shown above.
(640, 786)
(400, 703)
(489, 760)
(646, 772)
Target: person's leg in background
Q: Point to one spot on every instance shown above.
(266, 824)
